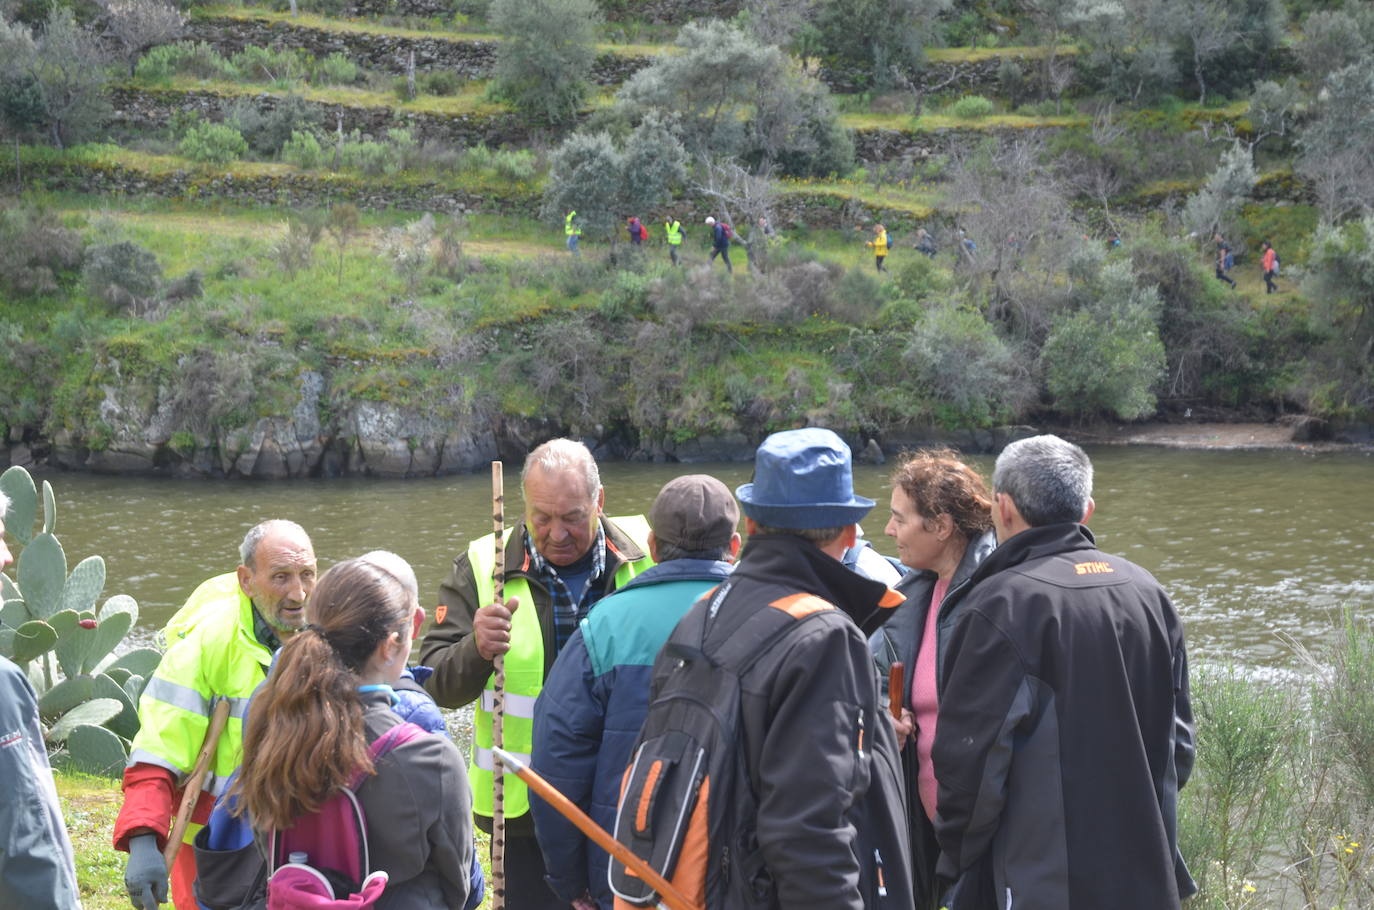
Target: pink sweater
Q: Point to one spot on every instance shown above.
(924, 703)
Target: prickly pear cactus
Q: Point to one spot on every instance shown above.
(51, 627)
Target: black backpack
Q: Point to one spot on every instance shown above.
(687, 806)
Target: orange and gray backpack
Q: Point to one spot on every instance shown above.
(687, 804)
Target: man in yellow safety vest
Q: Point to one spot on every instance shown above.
(559, 560)
(219, 647)
(573, 230)
(673, 228)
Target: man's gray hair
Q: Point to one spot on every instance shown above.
(1050, 480)
(397, 568)
(4, 506)
(249, 548)
(558, 455)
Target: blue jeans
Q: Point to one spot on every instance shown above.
(572, 244)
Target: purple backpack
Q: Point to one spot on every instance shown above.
(321, 861)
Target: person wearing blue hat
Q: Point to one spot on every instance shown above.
(822, 758)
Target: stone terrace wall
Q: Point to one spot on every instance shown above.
(388, 53)
(137, 108)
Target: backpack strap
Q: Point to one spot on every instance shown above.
(397, 736)
(741, 635)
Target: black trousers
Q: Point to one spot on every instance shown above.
(525, 885)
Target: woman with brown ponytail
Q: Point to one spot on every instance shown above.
(328, 697)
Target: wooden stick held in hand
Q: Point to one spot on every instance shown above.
(896, 680)
(668, 895)
(498, 701)
(191, 794)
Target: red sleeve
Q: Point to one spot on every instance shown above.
(150, 796)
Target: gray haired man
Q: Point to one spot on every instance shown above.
(1065, 730)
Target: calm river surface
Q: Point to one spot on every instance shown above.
(1251, 545)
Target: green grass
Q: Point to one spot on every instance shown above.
(932, 122)
(915, 203)
(978, 54)
(90, 806)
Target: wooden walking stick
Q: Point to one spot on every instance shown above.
(498, 700)
(191, 794)
(896, 678)
(669, 897)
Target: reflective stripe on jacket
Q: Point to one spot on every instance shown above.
(212, 655)
(524, 665)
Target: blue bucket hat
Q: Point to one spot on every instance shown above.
(803, 480)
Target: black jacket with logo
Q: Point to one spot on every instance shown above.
(1065, 731)
(822, 759)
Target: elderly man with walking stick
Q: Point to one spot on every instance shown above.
(557, 561)
(219, 648)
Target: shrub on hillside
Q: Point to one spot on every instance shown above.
(971, 107)
(36, 251)
(958, 362)
(183, 58)
(439, 82)
(268, 130)
(303, 150)
(269, 64)
(213, 143)
(122, 275)
(336, 69)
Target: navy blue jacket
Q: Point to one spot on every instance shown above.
(592, 706)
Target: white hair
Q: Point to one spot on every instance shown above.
(393, 565)
(249, 548)
(4, 506)
(558, 455)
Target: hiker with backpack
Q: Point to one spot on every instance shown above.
(765, 774)
(408, 843)
(591, 709)
(1269, 263)
(1224, 260)
(638, 232)
(721, 235)
(879, 246)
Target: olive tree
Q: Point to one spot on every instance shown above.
(21, 98)
(589, 172)
(70, 69)
(734, 97)
(882, 38)
(1338, 144)
(1211, 208)
(1125, 50)
(1340, 279)
(1105, 357)
(136, 25)
(543, 64)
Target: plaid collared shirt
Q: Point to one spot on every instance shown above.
(566, 613)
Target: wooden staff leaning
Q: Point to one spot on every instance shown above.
(498, 701)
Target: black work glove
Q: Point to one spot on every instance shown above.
(145, 876)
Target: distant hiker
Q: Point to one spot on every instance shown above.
(967, 248)
(817, 814)
(220, 646)
(879, 246)
(333, 688)
(1065, 730)
(720, 241)
(1270, 264)
(594, 702)
(37, 866)
(673, 228)
(638, 232)
(925, 243)
(573, 229)
(1113, 241)
(1224, 260)
(559, 560)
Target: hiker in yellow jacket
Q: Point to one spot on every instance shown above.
(879, 245)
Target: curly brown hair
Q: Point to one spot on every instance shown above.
(939, 483)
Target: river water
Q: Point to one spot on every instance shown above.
(1256, 548)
